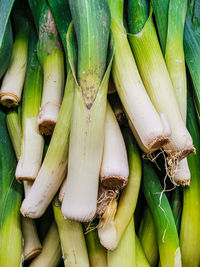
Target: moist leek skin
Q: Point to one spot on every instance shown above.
(166, 232)
(51, 250)
(89, 107)
(135, 100)
(96, 252)
(150, 61)
(190, 231)
(13, 81)
(51, 58)
(147, 238)
(74, 250)
(114, 167)
(141, 259)
(54, 166)
(124, 255)
(32, 142)
(10, 201)
(110, 232)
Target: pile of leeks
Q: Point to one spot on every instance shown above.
(99, 133)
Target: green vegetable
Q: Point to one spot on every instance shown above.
(10, 201)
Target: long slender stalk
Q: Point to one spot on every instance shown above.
(147, 237)
(32, 142)
(190, 231)
(32, 246)
(166, 232)
(150, 128)
(114, 167)
(157, 81)
(141, 259)
(54, 166)
(74, 250)
(51, 58)
(96, 252)
(176, 206)
(51, 250)
(10, 200)
(13, 81)
(125, 254)
(92, 25)
(114, 223)
(175, 62)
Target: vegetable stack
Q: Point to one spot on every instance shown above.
(99, 123)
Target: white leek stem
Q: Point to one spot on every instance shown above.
(149, 127)
(31, 151)
(51, 250)
(114, 168)
(54, 167)
(86, 146)
(53, 85)
(13, 80)
(182, 173)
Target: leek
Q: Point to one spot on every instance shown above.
(50, 55)
(147, 237)
(54, 166)
(50, 255)
(32, 245)
(176, 206)
(150, 128)
(92, 25)
(175, 62)
(114, 223)
(10, 200)
(150, 62)
(166, 232)
(190, 231)
(32, 142)
(74, 250)
(13, 81)
(114, 168)
(125, 254)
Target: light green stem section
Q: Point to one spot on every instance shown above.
(141, 259)
(174, 54)
(54, 167)
(74, 250)
(190, 231)
(125, 254)
(96, 252)
(147, 237)
(51, 250)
